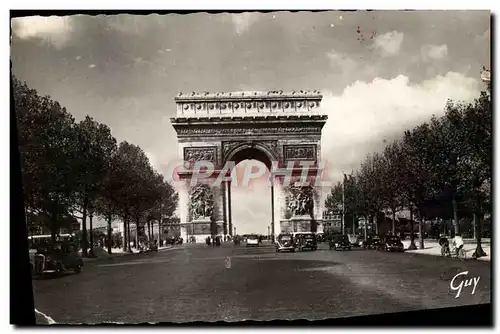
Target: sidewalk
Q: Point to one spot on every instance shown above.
(102, 253)
(431, 247)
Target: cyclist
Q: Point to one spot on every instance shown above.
(445, 245)
(458, 243)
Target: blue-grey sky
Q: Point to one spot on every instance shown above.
(380, 72)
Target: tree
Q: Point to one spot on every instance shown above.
(417, 148)
(107, 203)
(393, 174)
(132, 170)
(371, 180)
(96, 146)
(472, 123)
(48, 154)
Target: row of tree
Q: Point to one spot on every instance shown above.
(439, 169)
(77, 170)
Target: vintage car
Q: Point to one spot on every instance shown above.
(56, 261)
(354, 240)
(149, 246)
(284, 243)
(303, 241)
(253, 240)
(393, 244)
(320, 237)
(372, 242)
(339, 242)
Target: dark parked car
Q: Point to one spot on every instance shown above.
(57, 260)
(373, 242)
(393, 244)
(305, 241)
(284, 243)
(354, 240)
(320, 237)
(340, 242)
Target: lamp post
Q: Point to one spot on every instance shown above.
(271, 180)
(343, 203)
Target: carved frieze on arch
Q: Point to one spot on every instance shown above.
(303, 152)
(193, 154)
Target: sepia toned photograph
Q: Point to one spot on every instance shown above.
(240, 167)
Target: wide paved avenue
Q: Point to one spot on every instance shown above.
(194, 283)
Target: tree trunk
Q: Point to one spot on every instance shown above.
(364, 229)
(91, 235)
(393, 222)
(421, 233)
(85, 244)
(376, 224)
(128, 235)
(109, 234)
(479, 252)
(53, 226)
(159, 232)
(455, 216)
(125, 234)
(412, 232)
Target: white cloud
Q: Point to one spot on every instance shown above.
(366, 114)
(91, 65)
(389, 43)
(341, 61)
(78, 57)
(241, 22)
(434, 52)
(55, 30)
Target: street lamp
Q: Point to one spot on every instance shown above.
(343, 203)
(271, 181)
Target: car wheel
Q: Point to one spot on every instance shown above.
(59, 270)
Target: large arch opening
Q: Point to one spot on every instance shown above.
(249, 204)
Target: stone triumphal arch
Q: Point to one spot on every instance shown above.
(282, 130)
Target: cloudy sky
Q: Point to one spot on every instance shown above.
(379, 72)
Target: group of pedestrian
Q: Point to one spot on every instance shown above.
(211, 241)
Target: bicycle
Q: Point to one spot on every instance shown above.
(462, 254)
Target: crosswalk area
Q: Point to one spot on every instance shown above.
(254, 250)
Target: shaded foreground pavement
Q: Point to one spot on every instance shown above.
(194, 283)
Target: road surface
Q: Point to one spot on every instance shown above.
(194, 283)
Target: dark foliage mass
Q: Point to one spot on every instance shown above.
(440, 170)
(77, 170)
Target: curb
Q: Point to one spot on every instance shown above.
(417, 252)
(115, 255)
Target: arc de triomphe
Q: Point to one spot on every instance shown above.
(282, 130)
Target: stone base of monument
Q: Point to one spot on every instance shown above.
(296, 224)
(200, 229)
